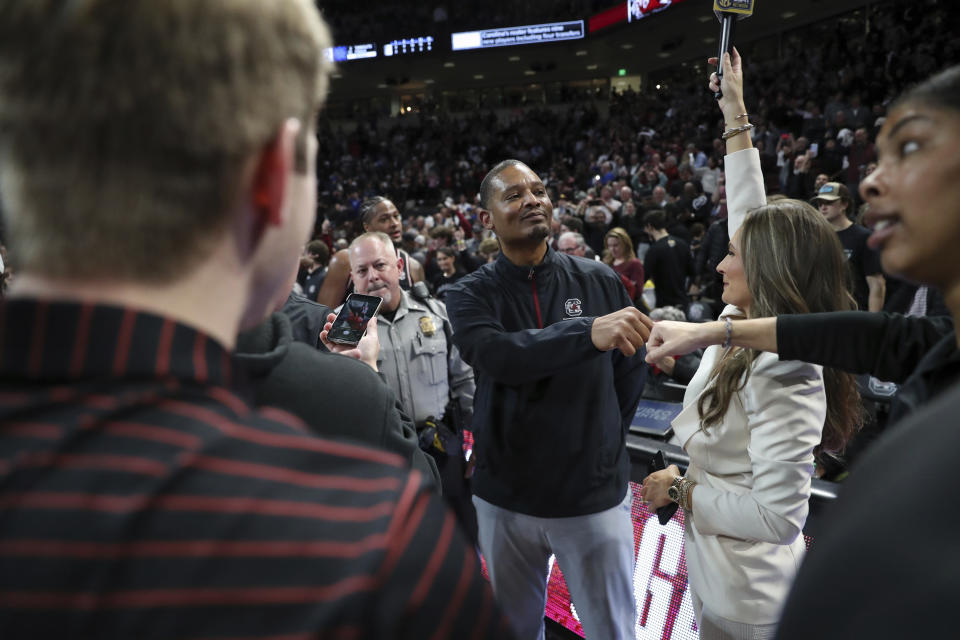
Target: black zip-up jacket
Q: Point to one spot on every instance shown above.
(551, 412)
(324, 390)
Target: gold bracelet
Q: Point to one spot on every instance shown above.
(740, 117)
(729, 133)
(686, 492)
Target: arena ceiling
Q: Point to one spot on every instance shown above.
(684, 32)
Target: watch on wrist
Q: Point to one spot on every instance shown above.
(673, 491)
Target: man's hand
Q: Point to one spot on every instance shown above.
(367, 350)
(680, 338)
(626, 329)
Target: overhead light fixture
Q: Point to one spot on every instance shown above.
(582, 52)
(710, 40)
(626, 45)
(663, 54)
(788, 14)
(478, 76)
(514, 58)
(381, 86)
(428, 81)
(336, 76)
(528, 72)
(449, 65)
(591, 67)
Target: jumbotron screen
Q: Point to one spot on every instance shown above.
(511, 36)
(664, 607)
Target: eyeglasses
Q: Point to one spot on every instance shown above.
(568, 250)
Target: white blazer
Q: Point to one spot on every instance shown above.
(754, 468)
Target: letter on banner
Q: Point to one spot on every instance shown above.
(655, 578)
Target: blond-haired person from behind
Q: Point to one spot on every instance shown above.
(157, 164)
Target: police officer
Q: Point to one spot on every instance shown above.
(420, 363)
(376, 214)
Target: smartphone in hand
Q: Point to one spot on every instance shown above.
(351, 323)
(664, 513)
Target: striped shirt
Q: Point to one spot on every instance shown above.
(142, 498)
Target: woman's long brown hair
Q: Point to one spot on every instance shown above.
(794, 263)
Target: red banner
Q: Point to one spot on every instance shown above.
(627, 11)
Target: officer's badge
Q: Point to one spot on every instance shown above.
(427, 327)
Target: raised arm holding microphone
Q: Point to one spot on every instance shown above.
(873, 558)
(750, 422)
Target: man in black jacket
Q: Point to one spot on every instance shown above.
(668, 262)
(712, 252)
(336, 396)
(557, 352)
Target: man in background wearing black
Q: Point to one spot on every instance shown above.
(668, 262)
(869, 287)
(313, 268)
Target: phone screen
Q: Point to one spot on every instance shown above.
(351, 323)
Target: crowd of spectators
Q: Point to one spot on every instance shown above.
(609, 162)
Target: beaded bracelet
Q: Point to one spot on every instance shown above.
(729, 326)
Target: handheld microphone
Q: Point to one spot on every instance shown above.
(728, 12)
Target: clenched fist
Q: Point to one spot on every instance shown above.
(626, 329)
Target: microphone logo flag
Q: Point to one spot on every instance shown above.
(742, 7)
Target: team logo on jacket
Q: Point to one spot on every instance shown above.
(573, 307)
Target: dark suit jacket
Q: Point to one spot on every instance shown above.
(306, 319)
(336, 396)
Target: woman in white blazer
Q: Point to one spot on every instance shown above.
(750, 422)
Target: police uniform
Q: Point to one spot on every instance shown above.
(419, 364)
(425, 371)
